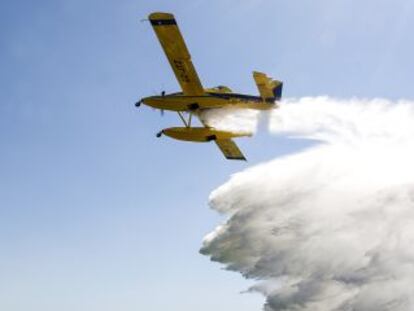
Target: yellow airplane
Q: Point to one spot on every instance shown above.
(194, 98)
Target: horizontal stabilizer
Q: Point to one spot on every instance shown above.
(230, 149)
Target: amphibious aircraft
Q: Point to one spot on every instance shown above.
(194, 99)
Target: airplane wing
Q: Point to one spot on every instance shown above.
(230, 149)
(172, 42)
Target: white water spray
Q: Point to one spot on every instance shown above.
(231, 119)
(331, 227)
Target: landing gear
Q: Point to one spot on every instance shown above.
(187, 123)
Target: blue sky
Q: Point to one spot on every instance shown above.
(95, 212)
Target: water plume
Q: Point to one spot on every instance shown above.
(330, 227)
(231, 119)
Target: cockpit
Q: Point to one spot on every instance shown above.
(219, 89)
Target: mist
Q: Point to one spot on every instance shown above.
(330, 227)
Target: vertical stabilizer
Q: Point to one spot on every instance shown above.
(269, 89)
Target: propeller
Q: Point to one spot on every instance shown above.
(141, 101)
(159, 134)
(162, 110)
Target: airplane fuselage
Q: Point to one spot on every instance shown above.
(210, 100)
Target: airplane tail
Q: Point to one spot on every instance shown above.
(269, 89)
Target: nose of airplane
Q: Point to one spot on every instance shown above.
(138, 103)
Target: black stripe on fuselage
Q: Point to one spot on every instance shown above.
(220, 95)
(162, 22)
(238, 96)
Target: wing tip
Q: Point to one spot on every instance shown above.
(162, 19)
(160, 16)
(242, 158)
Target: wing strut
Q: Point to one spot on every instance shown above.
(187, 123)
